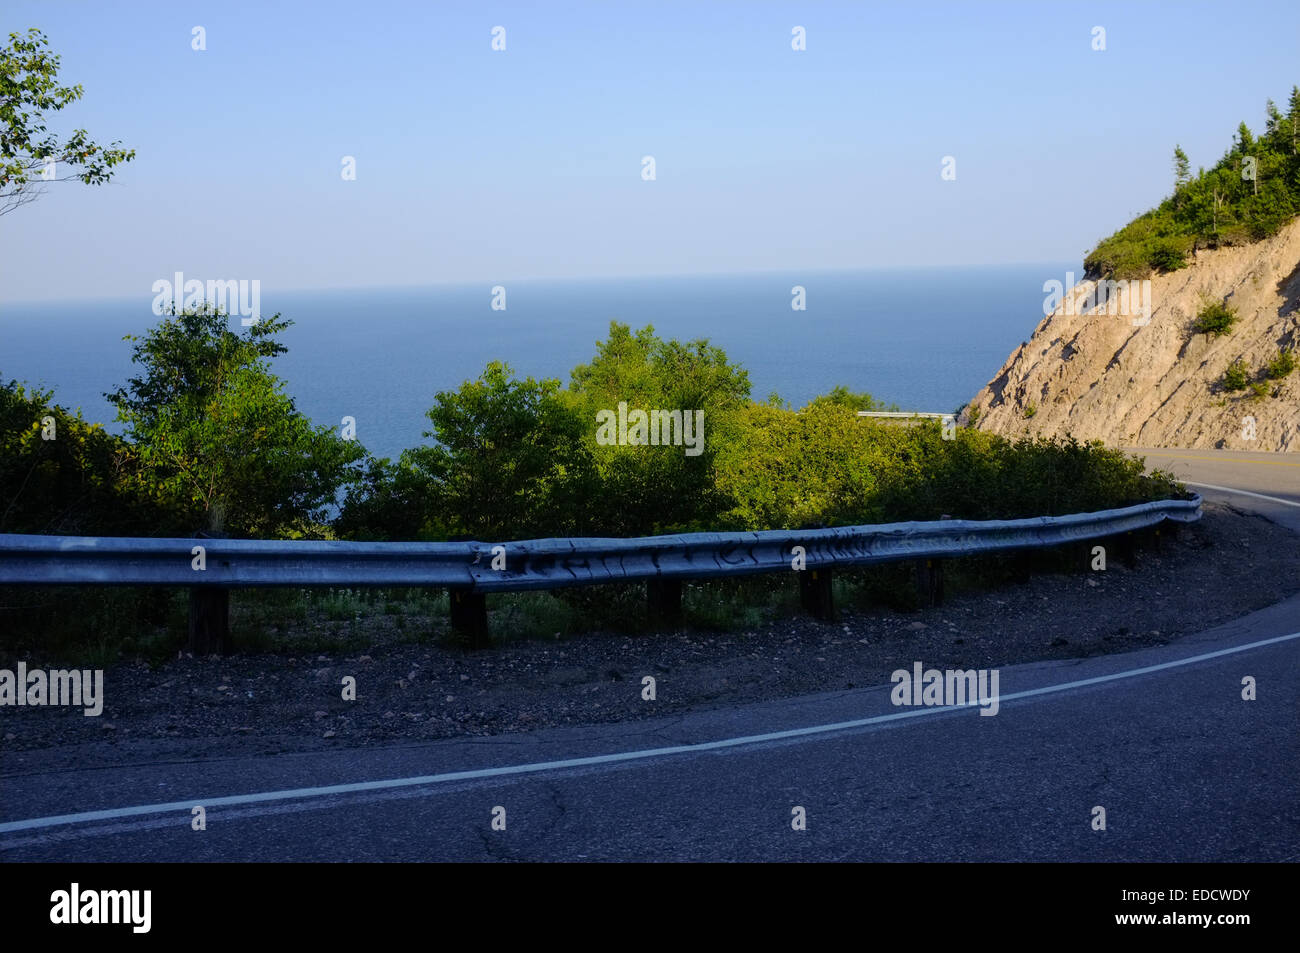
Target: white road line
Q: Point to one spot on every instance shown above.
(1258, 496)
(210, 802)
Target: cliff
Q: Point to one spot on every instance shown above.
(1098, 369)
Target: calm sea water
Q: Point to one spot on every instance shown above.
(926, 339)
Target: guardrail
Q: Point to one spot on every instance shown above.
(211, 567)
(895, 414)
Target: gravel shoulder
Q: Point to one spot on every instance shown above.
(1229, 564)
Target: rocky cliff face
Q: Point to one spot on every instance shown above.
(1098, 369)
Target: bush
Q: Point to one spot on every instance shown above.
(1030, 410)
(1280, 366)
(60, 474)
(1260, 389)
(1236, 376)
(1214, 318)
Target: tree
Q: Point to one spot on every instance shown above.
(58, 473)
(1245, 141)
(215, 438)
(651, 487)
(29, 89)
(512, 461)
(1182, 168)
(1273, 119)
(1294, 115)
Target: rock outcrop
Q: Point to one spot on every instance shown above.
(1110, 374)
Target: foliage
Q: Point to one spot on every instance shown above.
(1227, 205)
(215, 438)
(28, 90)
(652, 489)
(511, 460)
(1214, 318)
(1236, 377)
(1281, 365)
(58, 473)
(517, 459)
(853, 400)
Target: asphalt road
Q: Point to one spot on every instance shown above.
(1162, 739)
(1266, 483)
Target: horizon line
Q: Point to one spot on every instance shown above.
(462, 282)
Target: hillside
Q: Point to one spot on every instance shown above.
(1140, 362)
(1097, 376)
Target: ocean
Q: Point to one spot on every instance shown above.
(926, 339)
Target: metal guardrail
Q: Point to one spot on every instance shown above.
(544, 563)
(895, 414)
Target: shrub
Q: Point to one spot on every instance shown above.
(1280, 366)
(1259, 389)
(1214, 318)
(1030, 410)
(1236, 376)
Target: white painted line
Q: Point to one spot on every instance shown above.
(646, 753)
(1228, 489)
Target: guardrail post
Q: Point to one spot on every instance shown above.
(929, 581)
(664, 602)
(469, 617)
(816, 595)
(1022, 565)
(209, 627)
(209, 622)
(1128, 550)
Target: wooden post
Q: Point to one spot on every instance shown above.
(929, 581)
(469, 617)
(816, 595)
(1022, 565)
(664, 602)
(1128, 549)
(209, 627)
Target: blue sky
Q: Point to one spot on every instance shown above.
(475, 165)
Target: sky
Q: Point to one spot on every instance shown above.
(474, 164)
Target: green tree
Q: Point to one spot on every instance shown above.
(511, 461)
(1293, 114)
(216, 439)
(58, 473)
(1182, 168)
(1245, 140)
(647, 488)
(29, 89)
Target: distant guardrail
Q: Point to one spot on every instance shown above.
(902, 414)
(471, 569)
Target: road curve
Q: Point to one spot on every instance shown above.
(1162, 739)
(1266, 483)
